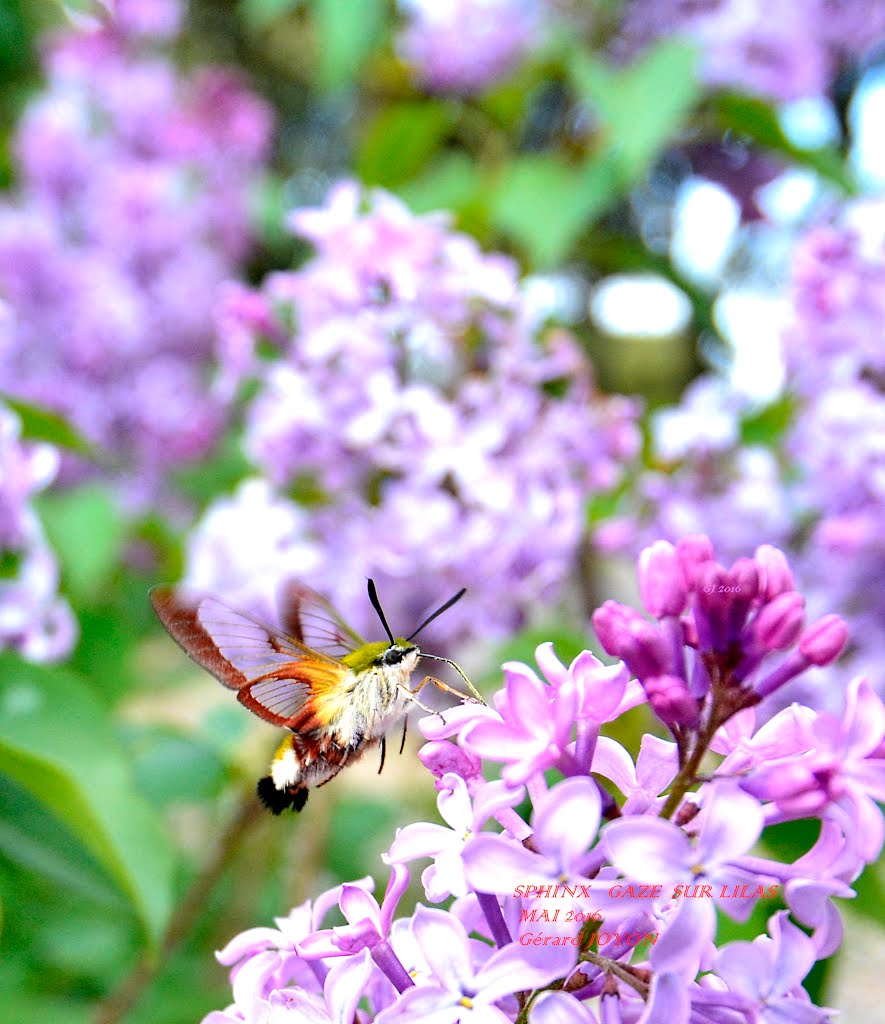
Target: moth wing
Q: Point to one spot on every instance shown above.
(311, 620)
(274, 675)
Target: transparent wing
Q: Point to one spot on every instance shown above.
(274, 674)
(312, 621)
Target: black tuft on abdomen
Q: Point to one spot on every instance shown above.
(279, 800)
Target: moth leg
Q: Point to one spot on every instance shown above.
(440, 685)
(402, 745)
(383, 754)
(414, 698)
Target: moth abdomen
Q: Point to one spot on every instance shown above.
(279, 800)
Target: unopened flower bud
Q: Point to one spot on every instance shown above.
(693, 551)
(441, 757)
(661, 583)
(778, 624)
(774, 571)
(824, 640)
(671, 701)
(611, 621)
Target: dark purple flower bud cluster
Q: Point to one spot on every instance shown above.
(583, 885)
(731, 621)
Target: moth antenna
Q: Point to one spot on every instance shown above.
(383, 754)
(376, 604)
(460, 671)
(442, 608)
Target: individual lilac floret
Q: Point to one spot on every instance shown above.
(445, 877)
(458, 989)
(464, 46)
(769, 973)
(367, 928)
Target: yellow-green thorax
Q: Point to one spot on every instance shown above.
(378, 653)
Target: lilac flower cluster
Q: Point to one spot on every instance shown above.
(130, 211)
(34, 620)
(599, 904)
(464, 46)
(821, 491)
(836, 369)
(704, 476)
(778, 51)
(419, 424)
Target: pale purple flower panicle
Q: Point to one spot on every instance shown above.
(412, 374)
(464, 46)
(129, 213)
(599, 906)
(779, 51)
(34, 619)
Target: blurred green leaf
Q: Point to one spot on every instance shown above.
(88, 534)
(32, 838)
(172, 766)
(768, 425)
(347, 32)
(258, 14)
(754, 118)
(39, 424)
(400, 140)
(218, 474)
(450, 183)
(57, 742)
(545, 204)
(642, 106)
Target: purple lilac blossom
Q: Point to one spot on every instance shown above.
(129, 212)
(550, 924)
(822, 496)
(777, 51)
(465, 46)
(34, 620)
(418, 420)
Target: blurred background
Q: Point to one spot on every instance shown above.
(483, 293)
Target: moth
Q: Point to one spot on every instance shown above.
(337, 694)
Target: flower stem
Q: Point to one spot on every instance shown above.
(492, 910)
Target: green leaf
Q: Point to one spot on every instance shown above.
(85, 528)
(347, 31)
(641, 106)
(172, 766)
(258, 14)
(400, 140)
(39, 424)
(545, 205)
(450, 183)
(56, 741)
(754, 118)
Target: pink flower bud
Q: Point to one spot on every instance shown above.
(824, 640)
(693, 551)
(778, 624)
(774, 571)
(610, 621)
(661, 583)
(440, 757)
(671, 701)
(743, 579)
